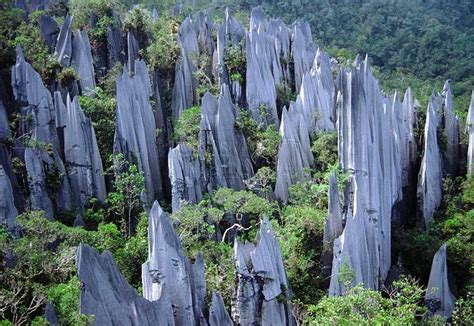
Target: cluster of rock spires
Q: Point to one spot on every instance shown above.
(376, 140)
(174, 288)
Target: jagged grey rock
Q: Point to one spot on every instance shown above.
(132, 51)
(316, 99)
(186, 176)
(333, 226)
(294, 154)
(372, 156)
(39, 197)
(260, 273)
(218, 315)
(82, 61)
(261, 83)
(231, 163)
(39, 128)
(406, 121)
(135, 133)
(4, 125)
(63, 49)
(49, 30)
(115, 45)
(438, 296)
(82, 157)
(451, 130)
(303, 50)
(106, 294)
(430, 180)
(167, 266)
(8, 211)
(470, 132)
(50, 315)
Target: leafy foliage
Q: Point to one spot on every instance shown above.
(186, 127)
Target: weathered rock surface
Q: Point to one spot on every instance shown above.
(451, 129)
(406, 120)
(107, 295)
(82, 61)
(42, 159)
(430, 179)
(294, 155)
(439, 297)
(4, 125)
(49, 30)
(218, 315)
(63, 49)
(333, 226)
(186, 176)
(231, 163)
(372, 156)
(81, 152)
(115, 45)
(316, 99)
(135, 133)
(260, 274)
(470, 132)
(8, 211)
(50, 315)
(132, 51)
(303, 50)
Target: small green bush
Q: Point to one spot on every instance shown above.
(186, 128)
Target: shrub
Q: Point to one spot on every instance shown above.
(186, 128)
(324, 150)
(82, 10)
(67, 75)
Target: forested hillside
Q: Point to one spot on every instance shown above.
(236, 162)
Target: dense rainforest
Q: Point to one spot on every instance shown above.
(236, 162)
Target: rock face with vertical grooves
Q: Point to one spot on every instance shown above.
(194, 39)
(63, 49)
(372, 156)
(470, 132)
(4, 125)
(82, 60)
(8, 211)
(303, 50)
(231, 163)
(135, 133)
(261, 81)
(451, 129)
(408, 151)
(107, 295)
(82, 157)
(168, 269)
(115, 45)
(333, 226)
(439, 297)
(49, 30)
(132, 51)
(218, 315)
(42, 159)
(316, 98)
(294, 155)
(430, 179)
(260, 274)
(186, 176)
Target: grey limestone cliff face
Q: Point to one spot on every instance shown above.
(42, 156)
(470, 133)
(303, 50)
(430, 179)
(49, 30)
(294, 154)
(406, 119)
(82, 61)
(107, 295)
(260, 274)
(231, 163)
(317, 96)
(135, 133)
(168, 269)
(451, 129)
(81, 152)
(63, 49)
(8, 211)
(372, 156)
(186, 176)
(333, 226)
(194, 39)
(4, 125)
(218, 315)
(439, 297)
(132, 51)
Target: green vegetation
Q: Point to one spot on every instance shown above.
(186, 128)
